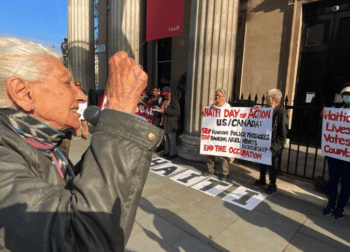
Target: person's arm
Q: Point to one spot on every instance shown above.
(38, 212)
(282, 128)
(98, 214)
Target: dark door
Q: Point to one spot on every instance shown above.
(324, 67)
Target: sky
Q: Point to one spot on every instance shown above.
(42, 21)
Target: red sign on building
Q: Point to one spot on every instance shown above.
(164, 18)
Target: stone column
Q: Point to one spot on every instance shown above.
(124, 28)
(81, 59)
(211, 65)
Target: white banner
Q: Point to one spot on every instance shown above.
(336, 134)
(243, 133)
(244, 197)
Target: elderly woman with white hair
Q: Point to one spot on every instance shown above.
(278, 139)
(45, 203)
(220, 102)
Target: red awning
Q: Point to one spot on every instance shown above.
(164, 18)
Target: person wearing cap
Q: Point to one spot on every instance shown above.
(338, 169)
(220, 102)
(170, 111)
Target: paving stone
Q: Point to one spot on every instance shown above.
(154, 188)
(256, 231)
(219, 207)
(305, 243)
(136, 229)
(326, 231)
(317, 211)
(286, 208)
(181, 195)
(160, 206)
(200, 223)
(141, 212)
(161, 229)
(192, 244)
(147, 242)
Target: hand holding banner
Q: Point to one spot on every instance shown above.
(243, 133)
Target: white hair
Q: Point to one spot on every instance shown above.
(17, 59)
(223, 91)
(275, 93)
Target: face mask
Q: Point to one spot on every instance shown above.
(346, 99)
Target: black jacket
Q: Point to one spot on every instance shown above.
(172, 116)
(39, 212)
(279, 130)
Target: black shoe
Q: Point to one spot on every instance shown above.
(208, 173)
(170, 157)
(338, 214)
(162, 154)
(258, 183)
(328, 210)
(223, 178)
(270, 190)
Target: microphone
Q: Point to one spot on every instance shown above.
(92, 114)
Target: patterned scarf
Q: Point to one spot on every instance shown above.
(42, 137)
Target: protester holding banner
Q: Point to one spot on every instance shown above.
(337, 169)
(156, 102)
(278, 139)
(220, 102)
(170, 111)
(156, 99)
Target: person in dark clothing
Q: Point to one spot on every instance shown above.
(278, 139)
(170, 110)
(338, 169)
(46, 203)
(156, 102)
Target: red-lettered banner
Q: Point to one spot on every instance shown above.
(336, 134)
(164, 18)
(146, 111)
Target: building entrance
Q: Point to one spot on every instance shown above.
(324, 66)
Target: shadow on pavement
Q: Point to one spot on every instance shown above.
(286, 217)
(158, 225)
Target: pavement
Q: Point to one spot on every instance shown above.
(175, 216)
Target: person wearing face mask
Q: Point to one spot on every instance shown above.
(338, 169)
(278, 139)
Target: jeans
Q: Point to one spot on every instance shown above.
(170, 143)
(335, 172)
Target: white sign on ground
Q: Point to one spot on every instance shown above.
(245, 198)
(243, 133)
(159, 162)
(188, 177)
(336, 134)
(167, 169)
(212, 186)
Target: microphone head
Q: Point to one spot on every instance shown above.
(92, 114)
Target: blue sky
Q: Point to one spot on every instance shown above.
(43, 21)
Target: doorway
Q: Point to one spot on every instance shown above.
(324, 66)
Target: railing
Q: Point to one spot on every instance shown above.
(302, 155)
